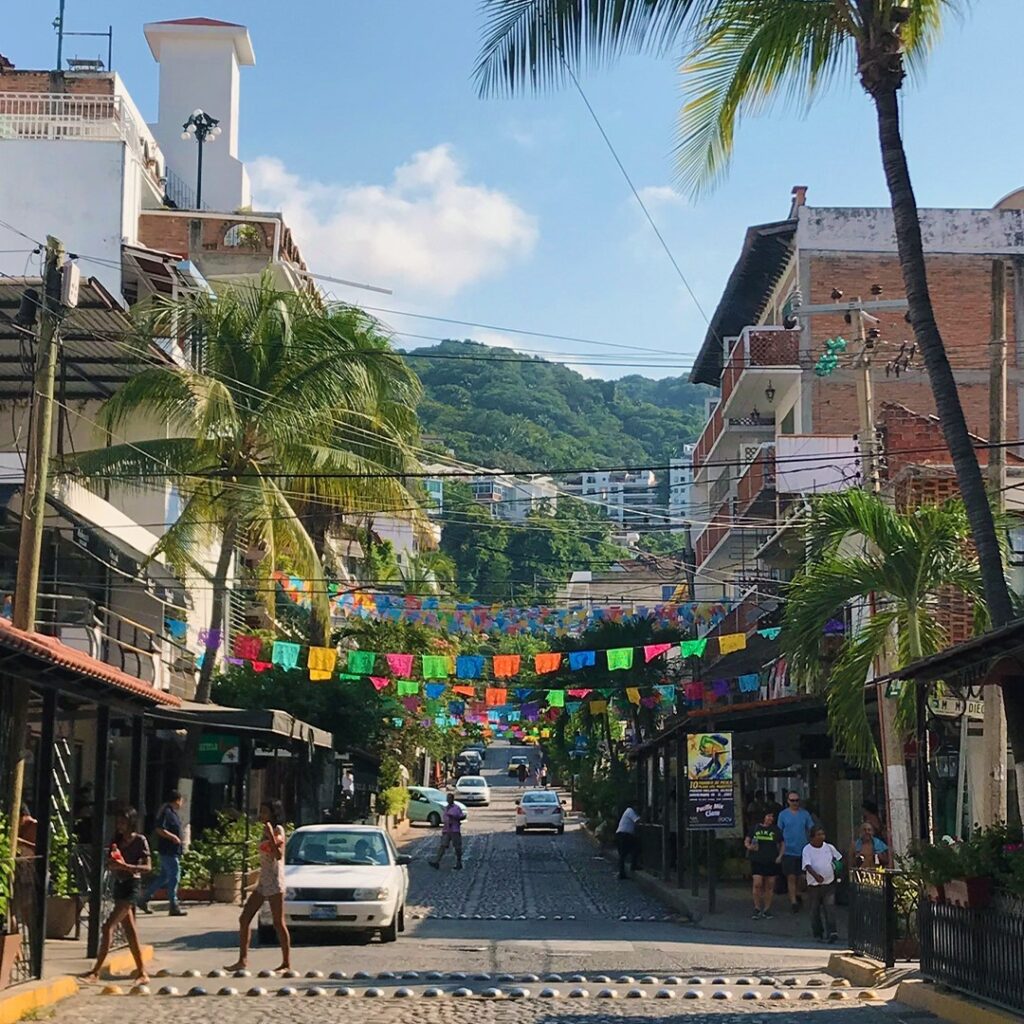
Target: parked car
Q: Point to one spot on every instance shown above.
(515, 761)
(468, 765)
(478, 748)
(473, 789)
(347, 877)
(428, 804)
(539, 808)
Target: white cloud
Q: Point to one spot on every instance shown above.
(662, 196)
(428, 231)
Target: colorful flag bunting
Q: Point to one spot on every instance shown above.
(652, 651)
(505, 666)
(548, 661)
(321, 662)
(284, 654)
(620, 658)
(582, 659)
(469, 666)
(693, 648)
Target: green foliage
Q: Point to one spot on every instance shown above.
(6, 873)
(62, 881)
(223, 848)
(393, 801)
(995, 852)
(517, 415)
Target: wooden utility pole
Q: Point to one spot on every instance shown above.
(33, 510)
(993, 804)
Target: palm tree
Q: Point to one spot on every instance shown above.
(900, 566)
(254, 432)
(743, 55)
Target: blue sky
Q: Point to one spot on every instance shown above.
(361, 120)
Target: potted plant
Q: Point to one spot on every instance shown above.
(933, 867)
(10, 939)
(978, 860)
(229, 860)
(62, 902)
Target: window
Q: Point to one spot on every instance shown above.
(337, 846)
(788, 424)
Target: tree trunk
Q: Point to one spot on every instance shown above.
(319, 632)
(944, 390)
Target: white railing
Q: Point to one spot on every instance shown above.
(90, 117)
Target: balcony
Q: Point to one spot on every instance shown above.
(757, 481)
(81, 117)
(766, 351)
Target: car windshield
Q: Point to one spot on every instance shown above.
(540, 798)
(519, 759)
(336, 846)
(472, 783)
(433, 794)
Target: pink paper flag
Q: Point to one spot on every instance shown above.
(400, 664)
(578, 693)
(651, 651)
(379, 682)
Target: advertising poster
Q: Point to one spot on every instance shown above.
(710, 798)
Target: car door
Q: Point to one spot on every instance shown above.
(401, 869)
(418, 806)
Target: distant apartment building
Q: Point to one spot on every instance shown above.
(631, 498)
(680, 486)
(514, 498)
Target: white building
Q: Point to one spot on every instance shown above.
(514, 498)
(680, 482)
(629, 498)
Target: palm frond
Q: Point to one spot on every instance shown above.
(133, 464)
(528, 43)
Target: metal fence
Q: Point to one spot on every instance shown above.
(977, 950)
(649, 840)
(872, 917)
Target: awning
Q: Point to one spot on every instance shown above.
(758, 653)
(969, 661)
(257, 723)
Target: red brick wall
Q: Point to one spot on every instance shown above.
(960, 288)
(47, 81)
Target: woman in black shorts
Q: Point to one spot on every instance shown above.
(128, 859)
(764, 844)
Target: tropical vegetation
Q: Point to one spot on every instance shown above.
(741, 56)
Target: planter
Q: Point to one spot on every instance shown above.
(935, 893)
(188, 895)
(10, 950)
(61, 915)
(228, 885)
(908, 948)
(969, 892)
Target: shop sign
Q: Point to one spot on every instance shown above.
(954, 707)
(216, 748)
(711, 802)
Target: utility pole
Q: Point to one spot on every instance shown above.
(856, 313)
(33, 511)
(994, 740)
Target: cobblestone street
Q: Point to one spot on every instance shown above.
(535, 928)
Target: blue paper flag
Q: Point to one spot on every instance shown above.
(582, 659)
(749, 682)
(434, 690)
(469, 666)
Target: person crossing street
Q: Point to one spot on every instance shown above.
(451, 833)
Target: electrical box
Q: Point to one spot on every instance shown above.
(70, 279)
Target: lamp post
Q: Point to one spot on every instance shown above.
(202, 127)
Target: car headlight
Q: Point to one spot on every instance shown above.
(290, 894)
(371, 894)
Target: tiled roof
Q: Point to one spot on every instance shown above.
(50, 649)
(201, 21)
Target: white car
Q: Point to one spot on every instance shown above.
(539, 808)
(473, 789)
(342, 876)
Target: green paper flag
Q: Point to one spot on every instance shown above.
(435, 666)
(361, 663)
(408, 687)
(556, 698)
(693, 648)
(619, 658)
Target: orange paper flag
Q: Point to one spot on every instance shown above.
(496, 696)
(505, 665)
(547, 662)
(464, 691)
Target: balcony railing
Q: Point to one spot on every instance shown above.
(78, 117)
(756, 348)
(758, 477)
(718, 526)
(708, 438)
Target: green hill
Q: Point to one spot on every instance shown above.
(495, 407)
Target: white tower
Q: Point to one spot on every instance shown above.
(199, 60)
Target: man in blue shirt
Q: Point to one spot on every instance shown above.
(169, 838)
(796, 824)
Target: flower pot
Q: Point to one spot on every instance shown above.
(61, 914)
(908, 948)
(969, 892)
(936, 893)
(10, 950)
(228, 885)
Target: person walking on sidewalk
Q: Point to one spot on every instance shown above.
(820, 860)
(451, 833)
(521, 774)
(270, 887)
(128, 860)
(796, 824)
(169, 839)
(764, 843)
(625, 839)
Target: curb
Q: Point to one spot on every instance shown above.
(36, 995)
(950, 1006)
(857, 970)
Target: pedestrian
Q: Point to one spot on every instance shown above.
(796, 824)
(128, 859)
(869, 813)
(867, 850)
(451, 833)
(544, 776)
(764, 843)
(625, 839)
(269, 887)
(170, 836)
(820, 861)
(521, 773)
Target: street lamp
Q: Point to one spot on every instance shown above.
(202, 127)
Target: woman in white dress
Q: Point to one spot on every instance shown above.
(269, 887)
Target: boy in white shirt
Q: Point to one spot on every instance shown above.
(818, 861)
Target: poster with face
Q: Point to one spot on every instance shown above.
(711, 802)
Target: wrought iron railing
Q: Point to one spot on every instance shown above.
(977, 950)
(649, 840)
(872, 918)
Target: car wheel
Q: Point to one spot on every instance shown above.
(520, 829)
(390, 934)
(266, 933)
(401, 919)
(434, 819)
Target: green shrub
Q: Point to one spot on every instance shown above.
(393, 801)
(62, 879)
(6, 874)
(222, 848)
